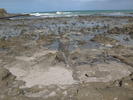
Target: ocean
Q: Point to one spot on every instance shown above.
(82, 13)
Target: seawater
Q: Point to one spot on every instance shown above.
(83, 13)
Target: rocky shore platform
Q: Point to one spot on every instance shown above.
(73, 58)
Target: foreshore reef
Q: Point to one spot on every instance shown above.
(66, 58)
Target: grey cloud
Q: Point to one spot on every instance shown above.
(50, 5)
(16, 1)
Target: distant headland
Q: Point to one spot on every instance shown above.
(2, 12)
(5, 15)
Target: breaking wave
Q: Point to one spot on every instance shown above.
(81, 13)
(58, 12)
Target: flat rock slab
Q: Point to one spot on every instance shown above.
(38, 70)
(54, 75)
(103, 72)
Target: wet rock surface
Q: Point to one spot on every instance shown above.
(105, 41)
(74, 58)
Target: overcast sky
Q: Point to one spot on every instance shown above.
(19, 6)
